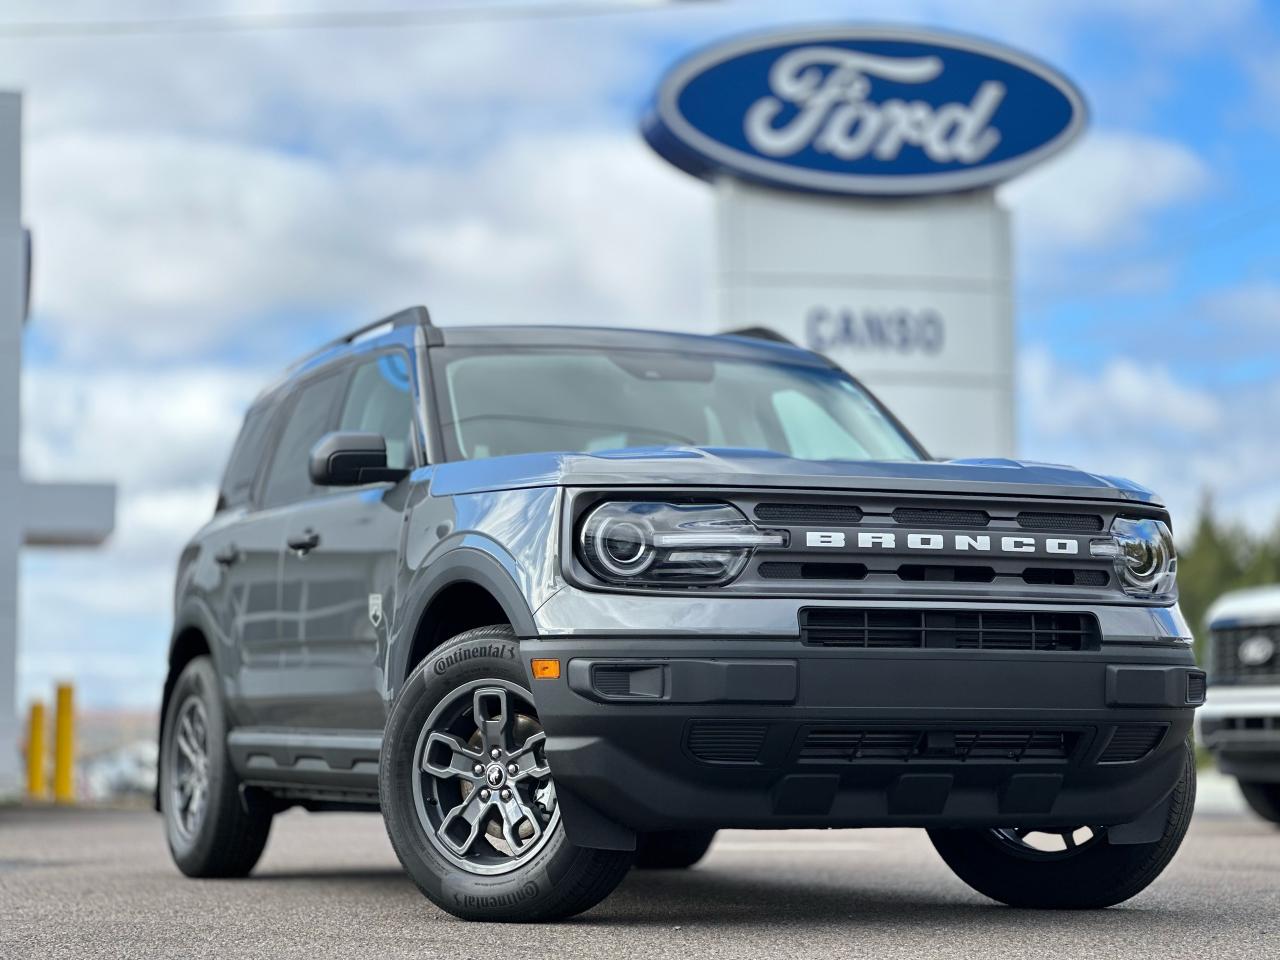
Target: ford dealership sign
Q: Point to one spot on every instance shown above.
(863, 111)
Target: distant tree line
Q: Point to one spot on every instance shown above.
(1220, 557)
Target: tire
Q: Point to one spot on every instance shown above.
(223, 839)
(672, 849)
(1263, 799)
(482, 846)
(1094, 875)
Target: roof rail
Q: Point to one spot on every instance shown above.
(759, 333)
(417, 316)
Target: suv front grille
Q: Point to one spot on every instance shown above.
(894, 545)
(851, 744)
(960, 630)
(1227, 665)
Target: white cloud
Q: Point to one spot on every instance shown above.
(1102, 192)
(1143, 422)
(166, 246)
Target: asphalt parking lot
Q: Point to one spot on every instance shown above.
(98, 883)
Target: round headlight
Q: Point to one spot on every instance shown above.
(621, 545)
(1145, 558)
(645, 543)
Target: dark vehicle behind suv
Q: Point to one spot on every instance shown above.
(559, 601)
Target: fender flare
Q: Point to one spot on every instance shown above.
(466, 563)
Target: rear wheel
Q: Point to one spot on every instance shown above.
(1263, 799)
(467, 795)
(672, 849)
(211, 831)
(1065, 869)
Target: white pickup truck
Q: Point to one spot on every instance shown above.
(1240, 721)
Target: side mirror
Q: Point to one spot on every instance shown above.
(350, 460)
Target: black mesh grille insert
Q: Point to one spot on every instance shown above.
(986, 630)
(841, 744)
(1065, 577)
(726, 741)
(785, 570)
(945, 573)
(1132, 741)
(809, 514)
(1074, 522)
(927, 517)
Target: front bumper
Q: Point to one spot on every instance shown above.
(689, 732)
(1240, 726)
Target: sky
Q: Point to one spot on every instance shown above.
(207, 207)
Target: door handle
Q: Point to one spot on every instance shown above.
(229, 556)
(304, 544)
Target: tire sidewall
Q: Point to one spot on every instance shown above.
(198, 679)
(489, 653)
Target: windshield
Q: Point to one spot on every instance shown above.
(497, 401)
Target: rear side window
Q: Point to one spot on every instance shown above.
(237, 482)
(380, 401)
(310, 417)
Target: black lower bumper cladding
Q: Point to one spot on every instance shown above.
(694, 733)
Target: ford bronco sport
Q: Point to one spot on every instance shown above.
(560, 601)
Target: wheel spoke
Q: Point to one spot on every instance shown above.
(492, 716)
(185, 739)
(527, 762)
(514, 815)
(463, 824)
(461, 758)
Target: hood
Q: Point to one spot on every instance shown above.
(733, 467)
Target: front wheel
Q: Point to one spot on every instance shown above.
(467, 795)
(1065, 869)
(1263, 799)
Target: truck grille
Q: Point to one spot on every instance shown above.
(911, 544)
(1226, 664)
(959, 630)
(839, 744)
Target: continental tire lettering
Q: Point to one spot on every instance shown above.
(498, 651)
(527, 891)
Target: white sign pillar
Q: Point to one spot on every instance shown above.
(42, 514)
(912, 295)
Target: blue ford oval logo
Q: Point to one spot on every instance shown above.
(863, 111)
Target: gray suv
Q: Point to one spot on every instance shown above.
(561, 601)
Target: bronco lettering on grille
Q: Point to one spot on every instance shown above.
(1066, 546)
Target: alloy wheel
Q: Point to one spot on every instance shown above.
(189, 786)
(481, 782)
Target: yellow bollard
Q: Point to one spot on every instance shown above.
(37, 781)
(63, 747)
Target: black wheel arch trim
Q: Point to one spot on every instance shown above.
(463, 564)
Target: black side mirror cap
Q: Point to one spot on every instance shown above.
(351, 460)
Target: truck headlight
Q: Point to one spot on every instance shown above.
(1144, 557)
(651, 544)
